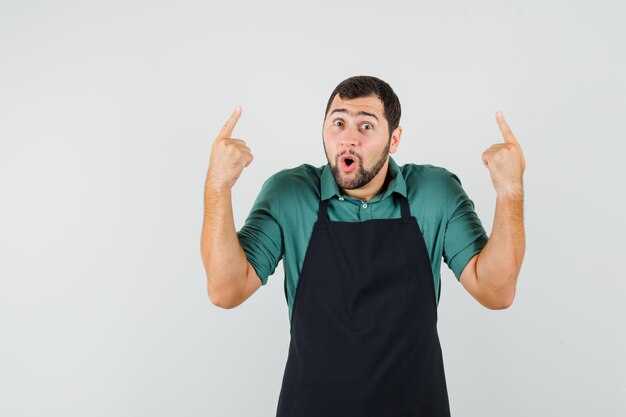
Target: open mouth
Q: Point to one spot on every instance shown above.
(348, 163)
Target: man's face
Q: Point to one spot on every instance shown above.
(356, 140)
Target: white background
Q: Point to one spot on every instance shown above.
(107, 114)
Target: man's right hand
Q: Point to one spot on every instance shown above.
(229, 156)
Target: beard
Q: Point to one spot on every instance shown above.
(361, 176)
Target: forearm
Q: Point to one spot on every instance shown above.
(499, 263)
(224, 260)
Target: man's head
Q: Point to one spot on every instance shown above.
(361, 128)
(364, 85)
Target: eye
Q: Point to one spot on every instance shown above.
(338, 121)
(367, 126)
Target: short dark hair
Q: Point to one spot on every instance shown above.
(365, 85)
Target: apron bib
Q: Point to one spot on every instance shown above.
(364, 336)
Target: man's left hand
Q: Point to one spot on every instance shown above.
(505, 162)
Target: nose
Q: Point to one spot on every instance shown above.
(349, 138)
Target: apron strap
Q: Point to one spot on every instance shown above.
(404, 208)
(322, 215)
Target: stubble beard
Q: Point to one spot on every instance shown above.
(361, 175)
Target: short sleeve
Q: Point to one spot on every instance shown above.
(464, 235)
(261, 236)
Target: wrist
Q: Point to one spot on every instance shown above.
(216, 189)
(511, 192)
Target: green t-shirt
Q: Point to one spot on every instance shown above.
(281, 220)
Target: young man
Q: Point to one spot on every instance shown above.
(362, 241)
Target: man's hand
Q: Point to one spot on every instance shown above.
(229, 157)
(505, 162)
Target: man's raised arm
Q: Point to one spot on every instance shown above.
(230, 277)
(491, 276)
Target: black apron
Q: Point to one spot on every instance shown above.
(364, 336)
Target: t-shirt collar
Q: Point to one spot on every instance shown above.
(329, 187)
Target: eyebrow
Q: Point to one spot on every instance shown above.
(361, 113)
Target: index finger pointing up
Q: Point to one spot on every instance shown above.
(507, 133)
(227, 130)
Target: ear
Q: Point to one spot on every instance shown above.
(395, 140)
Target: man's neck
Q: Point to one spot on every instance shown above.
(376, 186)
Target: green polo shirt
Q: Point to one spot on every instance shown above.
(281, 220)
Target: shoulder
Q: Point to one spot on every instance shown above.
(433, 189)
(296, 182)
(427, 178)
